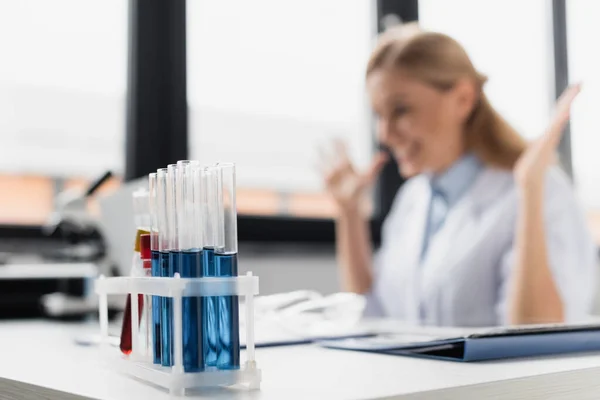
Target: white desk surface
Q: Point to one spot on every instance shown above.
(44, 354)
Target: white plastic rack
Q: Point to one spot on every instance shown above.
(174, 378)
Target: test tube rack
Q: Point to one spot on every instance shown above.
(174, 378)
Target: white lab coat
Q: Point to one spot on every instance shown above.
(463, 279)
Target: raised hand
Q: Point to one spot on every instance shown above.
(344, 183)
(531, 167)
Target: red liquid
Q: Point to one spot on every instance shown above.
(126, 329)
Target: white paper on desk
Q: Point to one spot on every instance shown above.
(332, 316)
(271, 331)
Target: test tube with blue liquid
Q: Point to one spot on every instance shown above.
(189, 225)
(164, 246)
(155, 268)
(226, 265)
(174, 257)
(209, 186)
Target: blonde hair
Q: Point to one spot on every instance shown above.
(440, 61)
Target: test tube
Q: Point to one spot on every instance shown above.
(174, 252)
(146, 325)
(130, 332)
(163, 249)
(210, 312)
(226, 265)
(189, 223)
(141, 212)
(156, 270)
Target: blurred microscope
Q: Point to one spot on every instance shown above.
(48, 272)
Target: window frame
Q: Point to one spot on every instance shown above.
(561, 76)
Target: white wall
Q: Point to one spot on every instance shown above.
(278, 79)
(510, 41)
(584, 66)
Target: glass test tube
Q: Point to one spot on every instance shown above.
(189, 223)
(146, 325)
(226, 265)
(141, 212)
(174, 252)
(129, 333)
(210, 311)
(163, 249)
(141, 209)
(156, 270)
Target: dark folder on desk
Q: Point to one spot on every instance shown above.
(484, 345)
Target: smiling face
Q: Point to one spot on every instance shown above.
(421, 125)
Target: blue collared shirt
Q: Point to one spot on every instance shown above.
(446, 189)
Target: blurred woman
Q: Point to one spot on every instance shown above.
(487, 229)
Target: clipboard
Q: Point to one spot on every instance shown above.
(493, 344)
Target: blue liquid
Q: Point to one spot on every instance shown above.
(193, 349)
(169, 265)
(210, 312)
(229, 317)
(156, 305)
